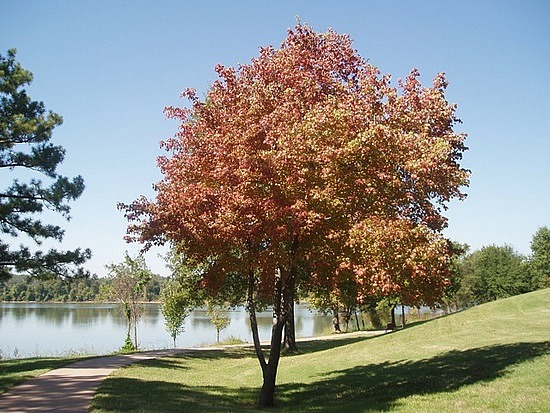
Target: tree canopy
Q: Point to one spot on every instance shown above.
(493, 272)
(27, 153)
(309, 158)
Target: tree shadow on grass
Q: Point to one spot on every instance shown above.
(236, 352)
(170, 363)
(121, 394)
(371, 387)
(242, 351)
(378, 387)
(312, 346)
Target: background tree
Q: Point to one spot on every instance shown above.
(540, 259)
(128, 287)
(176, 305)
(185, 293)
(458, 293)
(154, 287)
(307, 156)
(25, 134)
(220, 320)
(340, 299)
(495, 272)
(379, 311)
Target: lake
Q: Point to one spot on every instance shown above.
(57, 329)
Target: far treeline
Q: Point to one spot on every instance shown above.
(75, 289)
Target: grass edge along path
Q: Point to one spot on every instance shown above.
(493, 357)
(16, 371)
(71, 388)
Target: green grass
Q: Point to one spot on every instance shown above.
(16, 371)
(493, 357)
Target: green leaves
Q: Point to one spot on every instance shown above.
(21, 119)
(129, 280)
(495, 272)
(52, 263)
(25, 152)
(540, 258)
(176, 305)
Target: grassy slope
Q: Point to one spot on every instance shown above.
(493, 357)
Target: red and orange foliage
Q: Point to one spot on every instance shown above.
(309, 145)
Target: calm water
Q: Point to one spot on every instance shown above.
(43, 329)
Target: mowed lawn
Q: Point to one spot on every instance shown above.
(494, 357)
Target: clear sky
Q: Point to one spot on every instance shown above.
(110, 67)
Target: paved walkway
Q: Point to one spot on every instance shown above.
(71, 388)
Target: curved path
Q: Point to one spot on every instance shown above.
(70, 388)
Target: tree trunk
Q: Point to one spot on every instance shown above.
(403, 314)
(393, 316)
(336, 320)
(347, 316)
(254, 322)
(129, 318)
(129, 332)
(135, 334)
(289, 342)
(267, 394)
(269, 368)
(288, 296)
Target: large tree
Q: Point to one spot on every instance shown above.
(27, 154)
(308, 158)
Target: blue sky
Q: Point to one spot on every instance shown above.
(109, 68)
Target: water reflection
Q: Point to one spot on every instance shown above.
(40, 329)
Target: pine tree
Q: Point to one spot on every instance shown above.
(27, 153)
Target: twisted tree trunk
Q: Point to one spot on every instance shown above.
(269, 367)
(251, 306)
